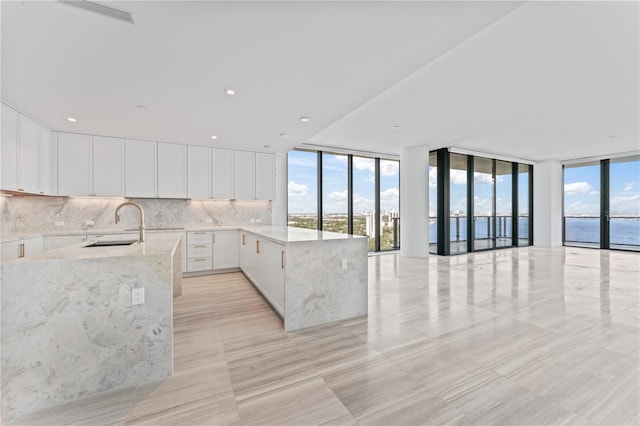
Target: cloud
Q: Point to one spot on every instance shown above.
(360, 163)
(390, 193)
(483, 178)
(576, 188)
(629, 186)
(297, 190)
(389, 168)
(458, 177)
(625, 205)
(338, 196)
(594, 193)
(433, 177)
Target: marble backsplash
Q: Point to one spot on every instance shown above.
(40, 213)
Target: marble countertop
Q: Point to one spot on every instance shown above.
(155, 244)
(288, 234)
(18, 236)
(278, 234)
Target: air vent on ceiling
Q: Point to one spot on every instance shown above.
(101, 9)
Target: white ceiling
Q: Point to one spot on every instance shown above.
(537, 80)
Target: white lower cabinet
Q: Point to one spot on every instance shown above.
(199, 251)
(52, 243)
(225, 249)
(272, 266)
(263, 262)
(22, 248)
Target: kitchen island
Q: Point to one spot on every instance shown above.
(69, 328)
(309, 277)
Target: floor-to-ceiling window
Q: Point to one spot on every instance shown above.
(433, 202)
(503, 203)
(483, 204)
(602, 204)
(458, 203)
(624, 203)
(389, 205)
(335, 192)
(524, 219)
(582, 204)
(364, 199)
(478, 203)
(302, 172)
(345, 193)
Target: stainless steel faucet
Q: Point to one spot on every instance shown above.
(143, 227)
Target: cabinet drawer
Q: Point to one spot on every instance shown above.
(199, 250)
(199, 238)
(199, 264)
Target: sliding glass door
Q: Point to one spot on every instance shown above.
(602, 204)
(478, 203)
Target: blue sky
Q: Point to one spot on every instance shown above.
(302, 184)
(582, 189)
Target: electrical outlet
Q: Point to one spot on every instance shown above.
(89, 222)
(209, 220)
(59, 223)
(137, 296)
(252, 221)
(344, 264)
(258, 220)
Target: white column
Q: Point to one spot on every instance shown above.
(414, 201)
(547, 204)
(279, 204)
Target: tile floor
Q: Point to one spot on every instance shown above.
(519, 336)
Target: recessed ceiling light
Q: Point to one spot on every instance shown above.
(284, 135)
(141, 106)
(395, 127)
(230, 92)
(305, 119)
(71, 119)
(214, 137)
(612, 136)
(267, 146)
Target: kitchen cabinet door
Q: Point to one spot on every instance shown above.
(31, 246)
(272, 267)
(225, 249)
(172, 170)
(74, 164)
(108, 167)
(140, 159)
(9, 148)
(27, 166)
(244, 175)
(265, 176)
(199, 172)
(44, 161)
(222, 176)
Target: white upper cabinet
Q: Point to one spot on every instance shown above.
(9, 148)
(108, 167)
(199, 172)
(44, 161)
(74, 164)
(244, 175)
(27, 166)
(222, 182)
(140, 168)
(265, 176)
(172, 170)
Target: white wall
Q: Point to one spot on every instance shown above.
(414, 201)
(547, 204)
(279, 204)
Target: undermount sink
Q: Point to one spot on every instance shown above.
(111, 243)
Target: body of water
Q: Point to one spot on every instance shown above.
(580, 230)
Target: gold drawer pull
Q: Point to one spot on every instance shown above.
(200, 246)
(257, 246)
(282, 260)
(20, 250)
(201, 259)
(243, 241)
